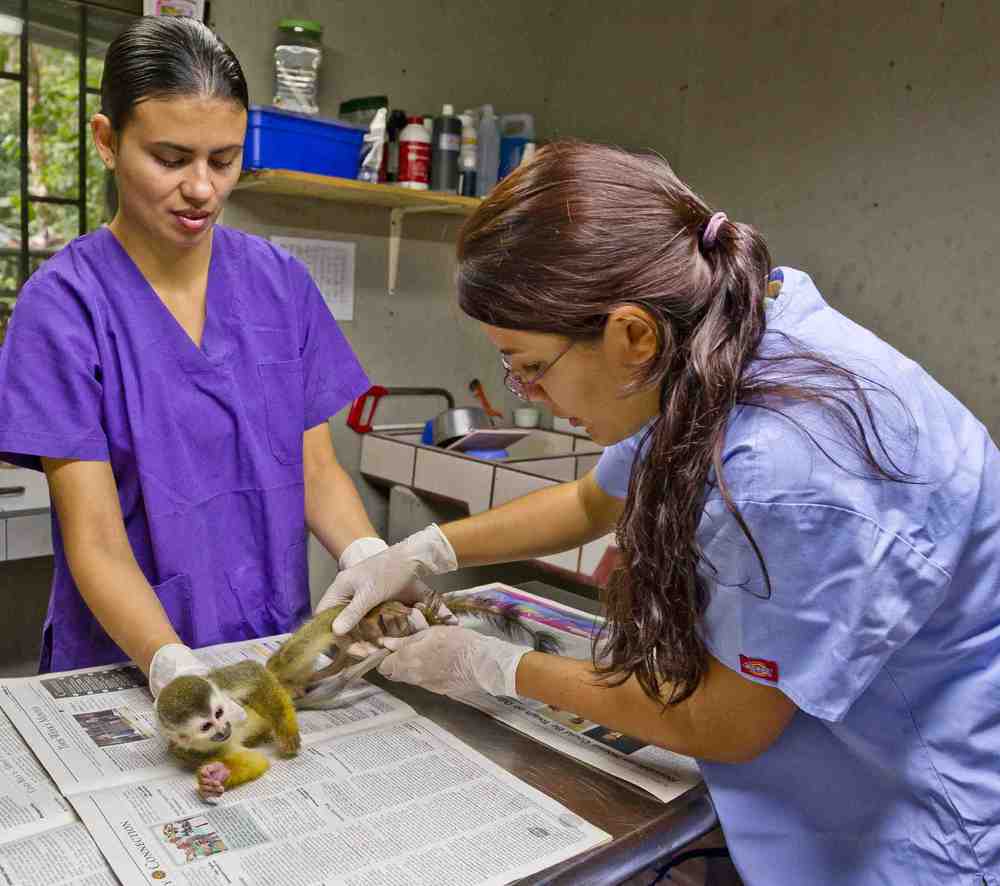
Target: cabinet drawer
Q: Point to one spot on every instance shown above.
(29, 536)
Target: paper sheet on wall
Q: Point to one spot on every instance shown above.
(331, 263)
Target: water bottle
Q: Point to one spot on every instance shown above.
(297, 56)
(488, 161)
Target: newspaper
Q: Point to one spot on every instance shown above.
(378, 795)
(662, 773)
(41, 841)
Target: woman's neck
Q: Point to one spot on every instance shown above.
(166, 267)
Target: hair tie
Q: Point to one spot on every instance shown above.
(712, 230)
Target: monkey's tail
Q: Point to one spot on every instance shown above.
(507, 619)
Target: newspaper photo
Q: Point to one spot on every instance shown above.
(662, 773)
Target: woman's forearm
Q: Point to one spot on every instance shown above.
(123, 601)
(700, 726)
(545, 522)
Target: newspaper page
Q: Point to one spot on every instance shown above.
(399, 805)
(96, 727)
(29, 801)
(63, 856)
(662, 773)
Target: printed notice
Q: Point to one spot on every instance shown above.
(331, 263)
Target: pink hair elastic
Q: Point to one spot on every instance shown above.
(712, 230)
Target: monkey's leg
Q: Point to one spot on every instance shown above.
(292, 663)
(273, 703)
(255, 730)
(243, 766)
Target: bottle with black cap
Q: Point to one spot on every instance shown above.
(446, 142)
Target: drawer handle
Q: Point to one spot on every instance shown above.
(12, 490)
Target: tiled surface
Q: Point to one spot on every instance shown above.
(513, 484)
(387, 459)
(585, 464)
(561, 469)
(592, 553)
(460, 479)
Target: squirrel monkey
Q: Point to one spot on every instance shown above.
(212, 722)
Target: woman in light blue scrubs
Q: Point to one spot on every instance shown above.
(809, 601)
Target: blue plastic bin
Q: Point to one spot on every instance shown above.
(283, 140)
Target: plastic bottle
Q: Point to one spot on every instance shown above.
(488, 152)
(516, 131)
(414, 155)
(446, 143)
(297, 56)
(467, 156)
(397, 123)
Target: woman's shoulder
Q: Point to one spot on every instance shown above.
(257, 252)
(70, 282)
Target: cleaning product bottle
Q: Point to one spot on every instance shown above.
(467, 156)
(516, 131)
(397, 123)
(446, 143)
(488, 151)
(414, 155)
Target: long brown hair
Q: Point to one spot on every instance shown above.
(555, 248)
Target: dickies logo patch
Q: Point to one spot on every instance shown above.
(760, 668)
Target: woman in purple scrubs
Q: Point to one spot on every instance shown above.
(173, 378)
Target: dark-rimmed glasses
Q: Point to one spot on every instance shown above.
(521, 387)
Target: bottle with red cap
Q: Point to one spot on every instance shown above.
(415, 155)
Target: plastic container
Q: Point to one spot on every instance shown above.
(280, 140)
(297, 56)
(397, 123)
(361, 111)
(488, 159)
(446, 142)
(467, 158)
(516, 132)
(415, 155)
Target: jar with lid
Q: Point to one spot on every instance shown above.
(298, 51)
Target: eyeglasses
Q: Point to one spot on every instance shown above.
(521, 387)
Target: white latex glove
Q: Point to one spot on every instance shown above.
(453, 661)
(361, 549)
(393, 574)
(170, 661)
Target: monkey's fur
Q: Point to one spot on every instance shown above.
(212, 722)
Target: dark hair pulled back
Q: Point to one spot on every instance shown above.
(165, 56)
(555, 248)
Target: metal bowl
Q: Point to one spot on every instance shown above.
(452, 424)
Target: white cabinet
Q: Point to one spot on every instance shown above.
(25, 524)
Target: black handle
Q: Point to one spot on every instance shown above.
(12, 490)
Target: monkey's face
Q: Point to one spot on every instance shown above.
(197, 718)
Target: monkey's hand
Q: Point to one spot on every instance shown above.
(288, 743)
(212, 781)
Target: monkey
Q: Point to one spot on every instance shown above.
(212, 722)
(293, 662)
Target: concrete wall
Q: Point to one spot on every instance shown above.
(421, 55)
(861, 138)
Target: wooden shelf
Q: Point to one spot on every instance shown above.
(345, 190)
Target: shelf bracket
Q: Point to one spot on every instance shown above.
(396, 233)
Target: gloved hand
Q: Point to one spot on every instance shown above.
(393, 574)
(360, 549)
(453, 661)
(170, 661)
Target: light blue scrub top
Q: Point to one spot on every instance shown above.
(882, 625)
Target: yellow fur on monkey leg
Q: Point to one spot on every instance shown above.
(244, 766)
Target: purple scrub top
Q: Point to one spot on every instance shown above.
(205, 443)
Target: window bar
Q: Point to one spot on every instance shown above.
(81, 186)
(24, 143)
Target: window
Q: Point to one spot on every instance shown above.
(52, 183)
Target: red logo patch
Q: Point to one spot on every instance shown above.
(759, 667)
